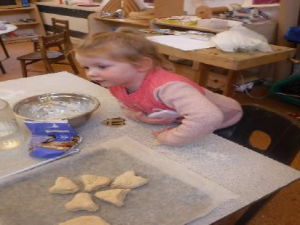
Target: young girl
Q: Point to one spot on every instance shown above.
(131, 68)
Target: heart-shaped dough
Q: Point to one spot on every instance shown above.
(85, 220)
(63, 185)
(115, 196)
(128, 180)
(93, 182)
(82, 201)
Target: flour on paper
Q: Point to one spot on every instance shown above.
(182, 43)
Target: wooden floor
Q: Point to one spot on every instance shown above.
(284, 209)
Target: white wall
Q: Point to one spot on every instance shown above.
(191, 5)
(188, 3)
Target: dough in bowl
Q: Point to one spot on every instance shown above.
(93, 182)
(128, 180)
(63, 185)
(85, 220)
(82, 201)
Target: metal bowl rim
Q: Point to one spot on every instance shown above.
(95, 100)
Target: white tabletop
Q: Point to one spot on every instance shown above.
(9, 28)
(240, 170)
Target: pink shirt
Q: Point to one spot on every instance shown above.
(202, 110)
(143, 98)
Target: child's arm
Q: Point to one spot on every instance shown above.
(201, 116)
(141, 117)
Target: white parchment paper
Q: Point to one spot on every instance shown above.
(173, 196)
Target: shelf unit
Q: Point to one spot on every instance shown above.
(98, 24)
(26, 30)
(126, 21)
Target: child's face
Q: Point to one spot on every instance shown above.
(109, 73)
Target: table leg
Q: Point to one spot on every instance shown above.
(4, 48)
(2, 68)
(204, 74)
(231, 79)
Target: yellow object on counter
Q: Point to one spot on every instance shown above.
(180, 22)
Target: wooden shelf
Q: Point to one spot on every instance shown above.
(17, 9)
(194, 27)
(14, 15)
(126, 21)
(26, 24)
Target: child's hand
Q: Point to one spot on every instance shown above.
(141, 117)
(157, 133)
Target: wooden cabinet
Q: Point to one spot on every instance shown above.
(28, 21)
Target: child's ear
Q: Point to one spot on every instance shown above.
(145, 64)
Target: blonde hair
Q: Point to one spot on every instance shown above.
(124, 45)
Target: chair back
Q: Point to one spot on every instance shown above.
(60, 40)
(266, 132)
(59, 26)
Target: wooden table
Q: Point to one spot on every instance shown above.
(248, 174)
(208, 58)
(9, 28)
(265, 28)
(234, 62)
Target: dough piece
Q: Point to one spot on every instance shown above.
(93, 182)
(128, 180)
(85, 220)
(63, 185)
(82, 201)
(115, 196)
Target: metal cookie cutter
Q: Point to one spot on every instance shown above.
(114, 122)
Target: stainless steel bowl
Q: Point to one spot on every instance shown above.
(76, 108)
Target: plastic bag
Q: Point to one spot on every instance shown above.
(241, 39)
(51, 139)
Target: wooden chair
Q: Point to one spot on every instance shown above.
(63, 45)
(269, 133)
(58, 26)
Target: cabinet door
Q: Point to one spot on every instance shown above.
(165, 8)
